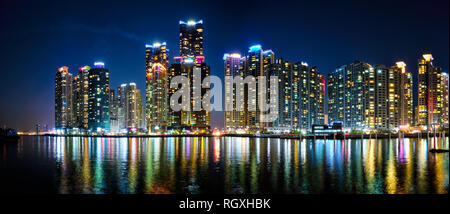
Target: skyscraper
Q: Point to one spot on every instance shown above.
(190, 120)
(429, 93)
(288, 103)
(191, 61)
(346, 95)
(63, 99)
(234, 67)
(400, 96)
(130, 107)
(191, 39)
(444, 100)
(140, 112)
(99, 95)
(174, 117)
(257, 64)
(157, 87)
(301, 95)
(362, 96)
(336, 93)
(81, 98)
(375, 97)
(311, 96)
(114, 111)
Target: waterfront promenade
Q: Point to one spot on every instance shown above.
(281, 136)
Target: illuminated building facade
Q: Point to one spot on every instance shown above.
(190, 61)
(63, 99)
(375, 97)
(196, 121)
(191, 39)
(81, 98)
(444, 91)
(429, 93)
(365, 97)
(174, 117)
(99, 95)
(258, 63)
(234, 67)
(301, 95)
(347, 95)
(400, 96)
(114, 111)
(157, 86)
(336, 95)
(130, 110)
(288, 103)
(312, 96)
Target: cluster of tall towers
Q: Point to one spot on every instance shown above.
(159, 114)
(85, 103)
(361, 96)
(82, 102)
(301, 92)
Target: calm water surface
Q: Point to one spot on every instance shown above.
(222, 165)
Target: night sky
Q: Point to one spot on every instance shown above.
(37, 37)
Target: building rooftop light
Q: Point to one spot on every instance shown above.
(191, 22)
(428, 57)
(99, 64)
(233, 55)
(64, 68)
(254, 48)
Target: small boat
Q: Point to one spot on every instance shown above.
(8, 136)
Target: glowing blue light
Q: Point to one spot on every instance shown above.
(255, 48)
(191, 22)
(155, 45)
(99, 64)
(189, 60)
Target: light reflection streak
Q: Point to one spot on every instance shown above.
(242, 165)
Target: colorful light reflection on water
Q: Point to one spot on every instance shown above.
(227, 165)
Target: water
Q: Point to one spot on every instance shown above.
(222, 165)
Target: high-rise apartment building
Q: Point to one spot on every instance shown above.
(191, 39)
(157, 87)
(400, 97)
(429, 93)
(81, 98)
(198, 121)
(258, 63)
(312, 96)
(336, 91)
(63, 99)
(130, 111)
(444, 100)
(365, 97)
(190, 62)
(114, 112)
(301, 95)
(375, 97)
(346, 95)
(234, 66)
(99, 94)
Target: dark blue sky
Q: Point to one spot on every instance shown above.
(37, 37)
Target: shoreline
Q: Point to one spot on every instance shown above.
(280, 136)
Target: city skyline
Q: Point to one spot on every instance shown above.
(441, 60)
